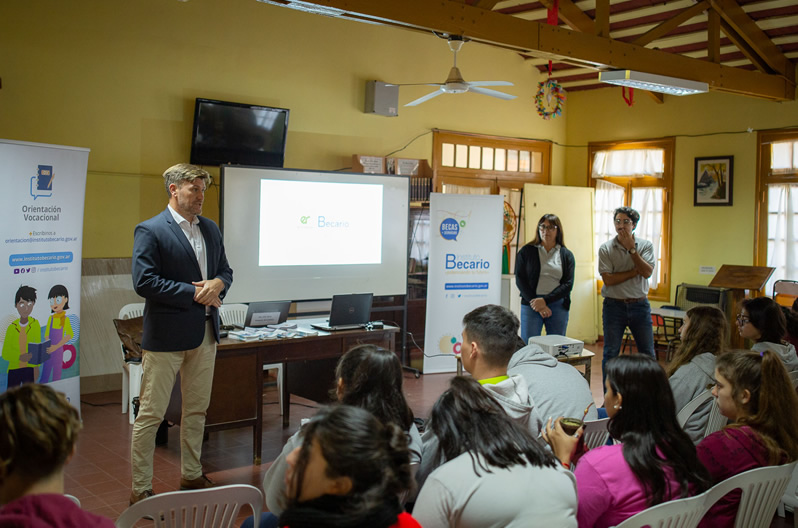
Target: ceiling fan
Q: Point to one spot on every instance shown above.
(455, 84)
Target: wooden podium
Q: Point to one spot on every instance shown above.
(738, 279)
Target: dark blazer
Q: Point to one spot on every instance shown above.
(164, 266)
(527, 273)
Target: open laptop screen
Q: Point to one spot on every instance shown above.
(267, 313)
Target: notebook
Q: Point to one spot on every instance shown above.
(264, 313)
(348, 312)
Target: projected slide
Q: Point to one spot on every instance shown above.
(311, 223)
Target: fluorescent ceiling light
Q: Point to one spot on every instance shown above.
(653, 83)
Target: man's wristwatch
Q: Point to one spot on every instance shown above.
(633, 251)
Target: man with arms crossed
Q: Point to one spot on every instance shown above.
(180, 268)
(625, 264)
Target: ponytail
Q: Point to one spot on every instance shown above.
(772, 410)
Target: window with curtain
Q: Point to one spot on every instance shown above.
(638, 174)
(777, 208)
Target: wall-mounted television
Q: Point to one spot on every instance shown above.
(238, 134)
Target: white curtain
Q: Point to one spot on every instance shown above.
(634, 163)
(648, 202)
(782, 233)
(784, 157)
(450, 188)
(608, 198)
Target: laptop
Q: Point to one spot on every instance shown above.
(348, 312)
(264, 313)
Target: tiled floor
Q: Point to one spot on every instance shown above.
(99, 473)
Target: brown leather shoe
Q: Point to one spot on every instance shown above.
(201, 482)
(135, 497)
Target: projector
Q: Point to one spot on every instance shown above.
(558, 345)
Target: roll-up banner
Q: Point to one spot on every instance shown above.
(42, 238)
(464, 272)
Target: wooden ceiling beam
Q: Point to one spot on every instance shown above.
(713, 36)
(757, 60)
(602, 21)
(574, 17)
(672, 23)
(486, 4)
(734, 15)
(491, 27)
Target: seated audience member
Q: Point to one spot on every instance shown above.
(369, 377)
(704, 334)
(493, 472)
(791, 318)
(762, 321)
(755, 393)
(349, 471)
(38, 432)
(490, 336)
(557, 388)
(655, 460)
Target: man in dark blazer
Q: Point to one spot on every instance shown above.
(180, 268)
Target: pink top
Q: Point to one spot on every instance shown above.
(608, 491)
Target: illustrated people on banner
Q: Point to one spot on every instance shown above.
(58, 331)
(20, 333)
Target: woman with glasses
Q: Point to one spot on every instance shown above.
(544, 274)
(762, 321)
(704, 334)
(753, 391)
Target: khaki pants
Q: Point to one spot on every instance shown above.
(196, 374)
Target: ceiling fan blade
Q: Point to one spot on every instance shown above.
(427, 97)
(491, 83)
(492, 93)
(413, 84)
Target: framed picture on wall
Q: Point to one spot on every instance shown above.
(712, 183)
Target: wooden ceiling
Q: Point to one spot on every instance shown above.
(745, 47)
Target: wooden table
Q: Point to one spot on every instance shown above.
(308, 364)
(584, 359)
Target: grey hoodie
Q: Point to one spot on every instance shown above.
(785, 351)
(557, 388)
(690, 380)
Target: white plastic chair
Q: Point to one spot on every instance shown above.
(790, 498)
(207, 508)
(678, 513)
(131, 371)
(762, 489)
(596, 433)
(236, 314)
(715, 422)
(73, 499)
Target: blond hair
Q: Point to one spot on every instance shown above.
(185, 172)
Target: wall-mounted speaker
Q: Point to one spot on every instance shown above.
(382, 99)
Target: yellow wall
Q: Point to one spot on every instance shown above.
(121, 78)
(702, 236)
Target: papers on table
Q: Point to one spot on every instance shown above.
(266, 333)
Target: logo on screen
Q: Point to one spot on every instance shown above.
(42, 183)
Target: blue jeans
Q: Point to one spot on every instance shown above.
(532, 323)
(617, 316)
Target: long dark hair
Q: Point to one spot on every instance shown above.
(767, 317)
(772, 410)
(555, 220)
(372, 380)
(646, 426)
(356, 445)
(467, 419)
(708, 331)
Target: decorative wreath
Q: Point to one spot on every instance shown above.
(549, 92)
